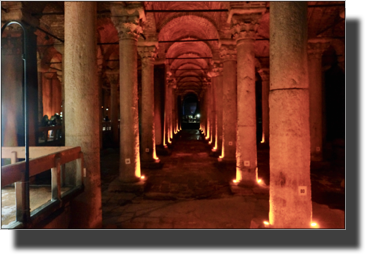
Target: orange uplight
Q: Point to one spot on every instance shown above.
(142, 177)
(266, 223)
(314, 225)
(235, 181)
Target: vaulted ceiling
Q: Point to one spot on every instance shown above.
(175, 25)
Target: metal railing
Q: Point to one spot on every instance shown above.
(41, 159)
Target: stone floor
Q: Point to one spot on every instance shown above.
(192, 190)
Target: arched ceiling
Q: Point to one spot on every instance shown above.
(174, 23)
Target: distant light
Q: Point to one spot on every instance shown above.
(106, 109)
(262, 141)
(102, 106)
(198, 115)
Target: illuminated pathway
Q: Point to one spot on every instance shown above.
(192, 191)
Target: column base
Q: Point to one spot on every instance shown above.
(165, 151)
(136, 186)
(227, 160)
(215, 153)
(249, 188)
(154, 164)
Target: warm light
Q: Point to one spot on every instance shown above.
(263, 138)
(266, 223)
(165, 146)
(314, 225)
(214, 148)
(220, 157)
(210, 142)
(262, 141)
(259, 181)
(142, 177)
(235, 181)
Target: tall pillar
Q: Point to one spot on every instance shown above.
(100, 110)
(218, 69)
(316, 47)
(81, 105)
(290, 192)
(113, 77)
(61, 49)
(167, 111)
(264, 74)
(126, 21)
(244, 29)
(148, 53)
(228, 55)
(47, 92)
(210, 99)
(214, 87)
(11, 92)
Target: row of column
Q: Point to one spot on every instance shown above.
(292, 119)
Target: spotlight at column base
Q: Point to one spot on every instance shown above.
(314, 225)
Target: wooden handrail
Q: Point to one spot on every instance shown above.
(12, 173)
(45, 158)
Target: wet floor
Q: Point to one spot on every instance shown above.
(191, 190)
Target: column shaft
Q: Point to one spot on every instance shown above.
(219, 109)
(264, 73)
(129, 121)
(290, 192)
(246, 150)
(148, 136)
(81, 105)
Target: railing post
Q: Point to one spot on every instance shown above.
(79, 170)
(22, 202)
(56, 180)
(13, 157)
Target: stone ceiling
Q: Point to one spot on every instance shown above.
(182, 23)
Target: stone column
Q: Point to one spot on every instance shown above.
(61, 49)
(290, 192)
(11, 92)
(47, 92)
(228, 55)
(126, 21)
(209, 94)
(244, 29)
(218, 69)
(213, 76)
(100, 110)
(81, 105)
(264, 74)
(174, 114)
(316, 47)
(148, 53)
(167, 112)
(113, 77)
(40, 74)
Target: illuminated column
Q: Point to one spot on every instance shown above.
(126, 22)
(148, 53)
(210, 99)
(167, 111)
(228, 55)
(264, 74)
(100, 110)
(47, 93)
(218, 69)
(316, 47)
(290, 192)
(213, 76)
(244, 29)
(113, 77)
(174, 104)
(61, 49)
(81, 105)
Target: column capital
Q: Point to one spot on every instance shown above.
(228, 50)
(113, 76)
(264, 74)
(147, 50)
(127, 19)
(316, 47)
(245, 26)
